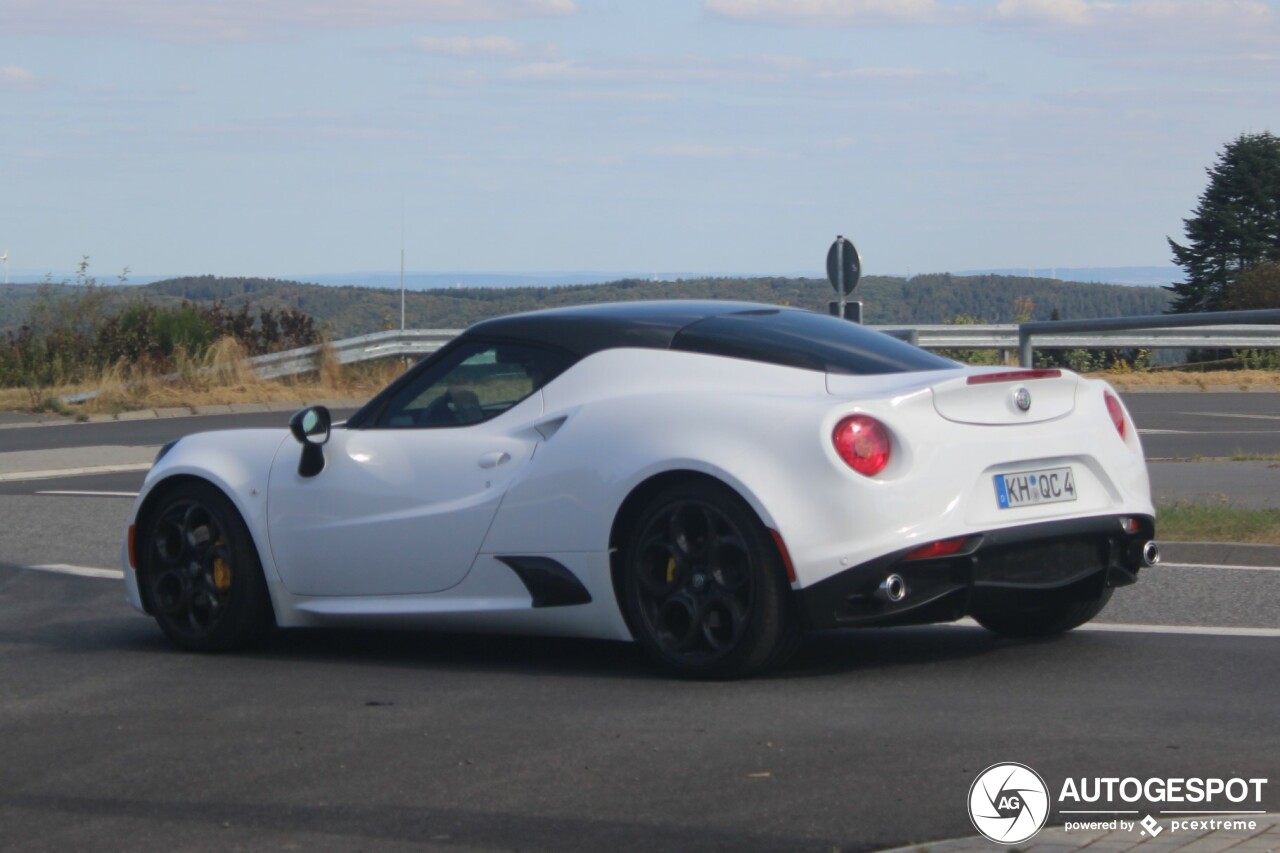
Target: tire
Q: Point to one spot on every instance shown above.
(1046, 620)
(704, 588)
(200, 572)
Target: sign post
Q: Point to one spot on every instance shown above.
(844, 268)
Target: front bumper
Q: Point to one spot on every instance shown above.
(993, 567)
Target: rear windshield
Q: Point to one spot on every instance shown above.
(806, 340)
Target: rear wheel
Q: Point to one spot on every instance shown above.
(704, 586)
(1054, 616)
(201, 572)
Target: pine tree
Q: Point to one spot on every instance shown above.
(1235, 227)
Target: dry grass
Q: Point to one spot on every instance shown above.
(221, 376)
(1167, 378)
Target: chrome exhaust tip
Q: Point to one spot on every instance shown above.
(892, 589)
(1150, 554)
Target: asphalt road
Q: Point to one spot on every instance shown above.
(1212, 424)
(351, 740)
(341, 740)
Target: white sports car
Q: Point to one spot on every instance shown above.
(712, 479)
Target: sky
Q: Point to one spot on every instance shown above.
(287, 137)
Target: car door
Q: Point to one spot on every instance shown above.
(402, 506)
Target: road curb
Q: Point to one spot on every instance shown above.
(188, 412)
(1193, 389)
(1220, 553)
(1053, 839)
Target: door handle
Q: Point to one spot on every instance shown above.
(494, 459)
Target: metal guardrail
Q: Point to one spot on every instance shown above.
(411, 343)
(1202, 328)
(1212, 330)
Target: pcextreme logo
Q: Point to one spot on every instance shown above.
(1008, 803)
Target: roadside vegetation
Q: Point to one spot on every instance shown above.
(81, 334)
(1217, 522)
(221, 375)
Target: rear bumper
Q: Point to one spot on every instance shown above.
(1084, 553)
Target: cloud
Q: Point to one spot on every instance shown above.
(13, 77)
(820, 13)
(648, 72)
(1190, 18)
(562, 70)
(500, 47)
(885, 74)
(215, 20)
(1050, 12)
(1188, 22)
(694, 151)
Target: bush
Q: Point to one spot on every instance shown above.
(73, 332)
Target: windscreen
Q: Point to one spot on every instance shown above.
(806, 340)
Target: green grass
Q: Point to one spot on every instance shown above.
(1217, 522)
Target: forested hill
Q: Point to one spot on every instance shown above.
(923, 299)
(347, 311)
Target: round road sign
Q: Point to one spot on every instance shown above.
(844, 254)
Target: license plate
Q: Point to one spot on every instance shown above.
(1028, 488)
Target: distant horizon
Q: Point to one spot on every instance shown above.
(1140, 276)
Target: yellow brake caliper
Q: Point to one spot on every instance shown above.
(221, 571)
(671, 569)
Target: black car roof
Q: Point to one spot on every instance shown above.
(586, 329)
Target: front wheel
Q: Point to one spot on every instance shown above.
(201, 572)
(1046, 619)
(704, 587)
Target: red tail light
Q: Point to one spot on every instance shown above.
(863, 443)
(941, 548)
(1116, 411)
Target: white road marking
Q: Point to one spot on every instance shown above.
(62, 493)
(1233, 415)
(75, 472)
(1200, 630)
(78, 571)
(1163, 565)
(1163, 432)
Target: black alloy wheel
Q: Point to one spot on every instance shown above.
(201, 573)
(704, 586)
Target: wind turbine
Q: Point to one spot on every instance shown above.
(5, 258)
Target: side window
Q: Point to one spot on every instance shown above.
(476, 382)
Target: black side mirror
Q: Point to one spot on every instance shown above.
(310, 427)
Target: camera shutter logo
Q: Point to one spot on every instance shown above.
(1008, 803)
